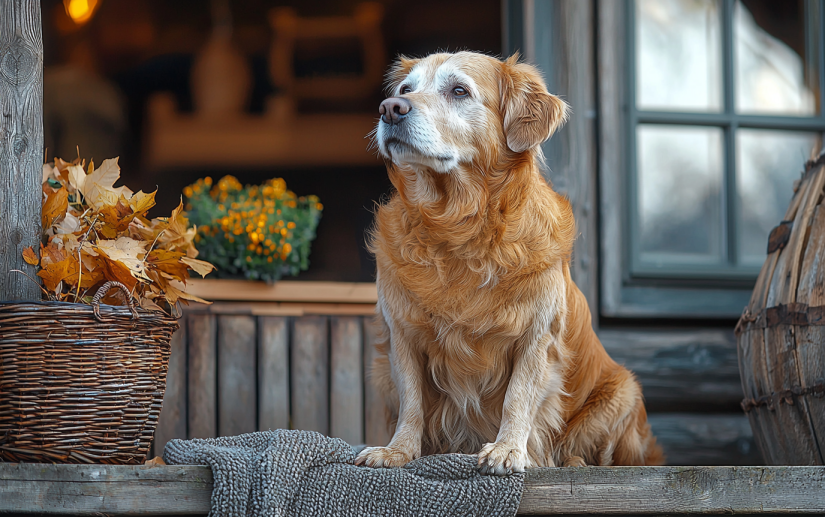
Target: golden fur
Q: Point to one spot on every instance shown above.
(489, 347)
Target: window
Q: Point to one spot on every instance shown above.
(724, 106)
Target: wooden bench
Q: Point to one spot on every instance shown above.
(186, 490)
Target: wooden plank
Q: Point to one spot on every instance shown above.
(172, 420)
(21, 139)
(203, 380)
(284, 291)
(376, 430)
(118, 490)
(104, 489)
(273, 373)
(705, 439)
(684, 370)
(346, 379)
(310, 374)
(674, 490)
(289, 308)
(237, 399)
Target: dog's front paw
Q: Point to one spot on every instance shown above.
(574, 461)
(386, 457)
(501, 458)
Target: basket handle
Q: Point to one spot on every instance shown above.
(105, 288)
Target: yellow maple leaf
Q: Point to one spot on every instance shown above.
(142, 202)
(30, 256)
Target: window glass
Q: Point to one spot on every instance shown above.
(679, 188)
(767, 164)
(776, 58)
(678, 55)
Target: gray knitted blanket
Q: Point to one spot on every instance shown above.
(303, 473)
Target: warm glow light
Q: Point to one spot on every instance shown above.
(80, 11)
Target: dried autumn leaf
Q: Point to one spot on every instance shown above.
(30, 256)
(115, 218)
(118, 271)
(141, 202)
(56, 272)
(98, 187)
(52, 254)
(178, 288)
(69, 224)
(201, 267)
(55, 206)
(168, 262)
(178, 235)
(128, 252)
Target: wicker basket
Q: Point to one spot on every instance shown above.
(81, 383)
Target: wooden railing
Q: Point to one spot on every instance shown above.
(296, 355)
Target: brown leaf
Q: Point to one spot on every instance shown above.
(30, 256)
(115, 218)
(169, 262)
(55, 206)
(201, 267)
(117, 271)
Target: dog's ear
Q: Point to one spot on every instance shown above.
(531, 114)
(398, 71)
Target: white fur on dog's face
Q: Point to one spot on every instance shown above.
(438, 132)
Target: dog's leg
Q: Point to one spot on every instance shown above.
(407, 375)
(536, 377)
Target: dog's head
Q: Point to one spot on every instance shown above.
(448, 110)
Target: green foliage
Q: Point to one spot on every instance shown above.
(258, 232)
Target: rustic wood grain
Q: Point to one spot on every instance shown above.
(687, 370)
(237, 373)
(567, 62)
(172, 420)
(376, 429)
(202, 394)
(810, 340)
(21, 144)
(273, 373)
(674, 490)
(186, 490)
(346, 410)
(310, 374)
(705, 438)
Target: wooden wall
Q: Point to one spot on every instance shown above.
(233, 373)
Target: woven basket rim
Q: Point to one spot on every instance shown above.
(116, 309)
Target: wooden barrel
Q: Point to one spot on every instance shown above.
(781, 334)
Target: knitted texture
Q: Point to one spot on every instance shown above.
(303, 473)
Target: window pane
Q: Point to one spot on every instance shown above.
(680, 171)
(767, 164)
(678, 55)
(776, 56)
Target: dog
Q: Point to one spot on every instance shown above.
(489, 347)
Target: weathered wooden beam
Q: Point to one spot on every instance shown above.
(680, 370)
(705, 438)
(21, 143)
(186, 490)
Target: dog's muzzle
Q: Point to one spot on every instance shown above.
(394, 110)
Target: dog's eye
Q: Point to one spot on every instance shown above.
(460, 91)
(405, 89)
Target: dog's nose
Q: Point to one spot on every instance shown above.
(394, 109)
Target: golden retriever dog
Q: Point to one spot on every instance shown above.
(489, 347)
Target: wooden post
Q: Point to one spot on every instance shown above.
(21, 143)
